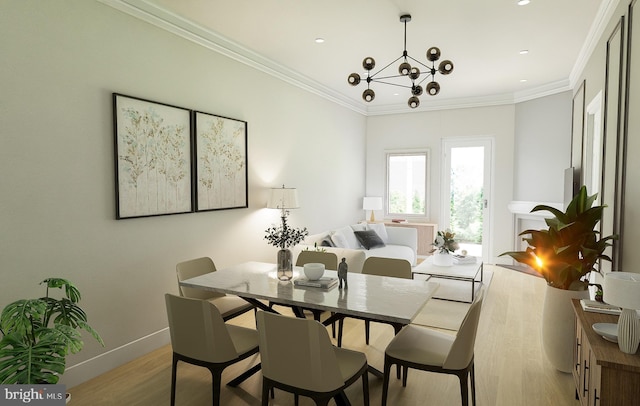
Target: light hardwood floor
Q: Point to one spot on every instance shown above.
(511, 368)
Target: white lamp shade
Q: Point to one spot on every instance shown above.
(372, 203)
(283, 198)
(622, 289)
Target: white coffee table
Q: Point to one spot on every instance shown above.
(459, 272)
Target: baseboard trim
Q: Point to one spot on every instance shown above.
(76, 374)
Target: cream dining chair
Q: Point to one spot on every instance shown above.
(398, 268)
(298, 357)
(200, 337)
(431, 350)
(229, 305)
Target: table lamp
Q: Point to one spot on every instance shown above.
(372, 203)
(283, 199)
(622, 289)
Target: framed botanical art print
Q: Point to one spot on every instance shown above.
(221, 162)
(153, 157)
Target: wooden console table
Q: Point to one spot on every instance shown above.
(426, 234)
(603, 374)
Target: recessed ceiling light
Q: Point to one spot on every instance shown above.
(523, 2)
(319, 40)
(523, 80)
(524, 52)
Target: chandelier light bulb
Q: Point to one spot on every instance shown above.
(433, 88)
(404, 68)
(433, 54)
(368, 63)
(413, 102)
(354, 79)
(445, 67)
(415, 73)
(416, 90)
(368, 95)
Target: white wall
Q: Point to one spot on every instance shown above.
(61, 60)
(426, 130)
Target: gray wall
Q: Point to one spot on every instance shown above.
(61, 60)
(542, 148)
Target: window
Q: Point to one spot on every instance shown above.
(407, 183)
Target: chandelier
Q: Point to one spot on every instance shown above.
(415, 75)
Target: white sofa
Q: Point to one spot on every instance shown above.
(399, 242)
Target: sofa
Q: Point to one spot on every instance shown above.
(358, 242)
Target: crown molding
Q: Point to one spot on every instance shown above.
(190, 31)
(209, 39)
(603, 16)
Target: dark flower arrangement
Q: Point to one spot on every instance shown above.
(284, 236)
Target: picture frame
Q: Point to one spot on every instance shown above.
(153, 158)
(221, 174)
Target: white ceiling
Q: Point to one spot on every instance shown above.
(482, 38)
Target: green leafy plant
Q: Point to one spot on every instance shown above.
(38, 334)
(568, 250)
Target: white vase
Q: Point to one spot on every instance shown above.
(442, 259)
(558, 326)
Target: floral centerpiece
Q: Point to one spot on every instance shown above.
(444, 246)
(283, 237)
(444, 242)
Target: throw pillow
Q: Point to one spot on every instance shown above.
(339, 240)
(381, 230)
(369, 239)
(352, 241)
(326, 242)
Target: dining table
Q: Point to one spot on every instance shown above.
(396, 301)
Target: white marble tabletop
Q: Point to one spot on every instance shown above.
(377, 297)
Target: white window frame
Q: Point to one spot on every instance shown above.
(427, 187)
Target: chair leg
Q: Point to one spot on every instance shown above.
(296, 399)
(216, 382)
(367, 327)
(464, 388)
(174, 369)
(365, 388)
(405, 373)
(473, 384)
(265, 393)
(333, 327)
(385, 380)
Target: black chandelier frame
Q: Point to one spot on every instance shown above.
(405, 69)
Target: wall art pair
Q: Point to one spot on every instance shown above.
(171, 160)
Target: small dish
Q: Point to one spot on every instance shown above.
(608, 331)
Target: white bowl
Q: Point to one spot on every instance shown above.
(313, 271)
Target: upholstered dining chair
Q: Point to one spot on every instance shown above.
(229, 306)
(398, 268)
(298, 357)
(329, 259)
(200, 336)
(427, 349)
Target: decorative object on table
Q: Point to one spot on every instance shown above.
(373, 204)
(564, 255)
(153, 158)
(38, 334)
(284, 236)
(413, 73)
(325, 282)
(221, 162)
(622, 289)
(444, 245)
(343, 268)
(313, 271)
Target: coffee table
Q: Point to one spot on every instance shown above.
(459, 272)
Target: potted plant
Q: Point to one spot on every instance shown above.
(444, 245)
(284, 237)
(38, 334)
(564, 255)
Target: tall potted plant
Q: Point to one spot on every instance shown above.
(564, 255)
(38, 334)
